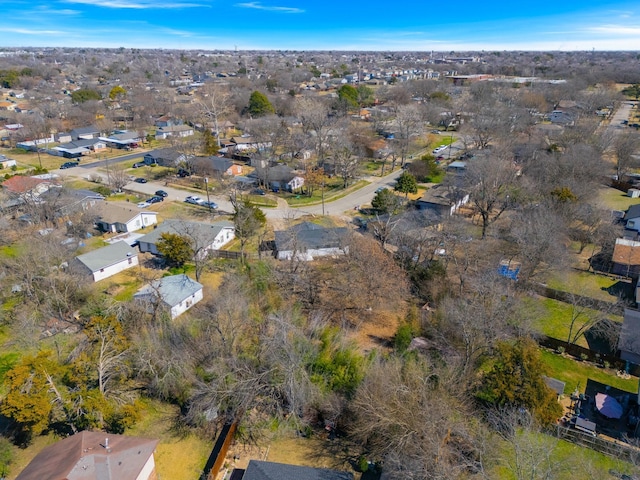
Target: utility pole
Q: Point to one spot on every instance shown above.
(206, 185)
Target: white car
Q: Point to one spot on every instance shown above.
(439, 149)
(143, 204)
(194, 200)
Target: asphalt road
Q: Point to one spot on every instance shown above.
(362, 196)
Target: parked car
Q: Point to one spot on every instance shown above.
(162, 193)
(155, 199)
(258, 191)
(143, 204)
(138, 165)
(66, 165)
(140, 180)
(212, 205)
(439, 149)
(194, 200)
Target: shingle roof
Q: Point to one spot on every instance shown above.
(202, 231)
(629, 339)
(626, 252)
(632, 212)
(22, 184)
(308, 235)
(106, 256)
(91, 456)
(116, 213)
(172, 290)
(258, 470)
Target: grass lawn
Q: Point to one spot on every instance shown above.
(178, 456)
(331, 193)
(587, 284)
(553, 318)
(572, 461)
(616, 199)
(575, 373)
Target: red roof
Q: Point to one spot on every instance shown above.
(21, 184)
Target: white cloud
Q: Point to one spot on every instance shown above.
(614, 30)
(136, 4)
(26, 31)
(259, 6)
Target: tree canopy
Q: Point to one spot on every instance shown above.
(406, 184)
(175, 248)
(516, 380)
(84, 95)
(259, 105)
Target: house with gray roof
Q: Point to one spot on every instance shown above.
(121, 218)
(260, 470)
(165, 157)
(442, 200)
(175, 294)
(203, 236)
(106, 261)
(174, 131)
(629, 339)
(92, 456)
(85, 133)
(307, 241)
(122, 139)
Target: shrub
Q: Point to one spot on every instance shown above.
(584, 357)
(560, 350)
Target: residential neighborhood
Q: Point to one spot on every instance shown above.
(252, 265)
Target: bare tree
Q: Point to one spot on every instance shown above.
(409, 415)
(625, 146)
(489, 181)
(409, 125)
(214, 105)
(314, 116)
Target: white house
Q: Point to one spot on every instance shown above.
(120, 218)
(7, 162)
(176, 293)
(106, 261)
(203, 236)
(173, 131)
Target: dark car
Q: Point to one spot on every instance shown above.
(69, 165)
(140, 180)
(258, 191)
(162, 193)
(155, 199)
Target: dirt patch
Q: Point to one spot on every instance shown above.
(315, 451)
(378, 332)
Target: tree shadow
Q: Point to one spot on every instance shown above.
(603, 338)
(621, 289)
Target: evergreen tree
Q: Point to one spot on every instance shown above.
(406, 184)
(259, 105)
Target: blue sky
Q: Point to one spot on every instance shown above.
(323, 25)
